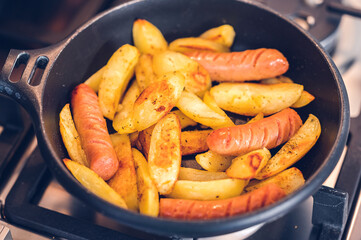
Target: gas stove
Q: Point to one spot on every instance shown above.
(33, 205)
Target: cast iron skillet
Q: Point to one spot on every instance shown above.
(73, 60)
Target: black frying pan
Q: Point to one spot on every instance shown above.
(73, 60)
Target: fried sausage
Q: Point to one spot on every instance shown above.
(241, 66)
(202, 210)
(93, 132)
(269, 132)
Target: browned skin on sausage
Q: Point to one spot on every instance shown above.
(203, 210)
(93, 132)
(269, 132)
(241, 66)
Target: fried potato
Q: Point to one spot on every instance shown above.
(117, 73)
(304, 99)
(275, 80)
(147, 191)
(289, 180)
(144, 73)
(249, 99)
(247, 166)
(199, 175)
(127, 103)
(183, 119)
(124, 180)
(94, 80)
(147, 37)
(144, 138)
(133, 137)
(207, 190)
(95, 184)
(214, 162)
(194, 108)
(223, 34)
(194, 141)
(125, 125)
(70, 137)
(256, 118)
(209, 100)
(157, 100)
(196, 43)
(294, 149)
(164, 158)
(197, 79)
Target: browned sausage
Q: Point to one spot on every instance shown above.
(269, 132)
(241, 66)
(93, 132)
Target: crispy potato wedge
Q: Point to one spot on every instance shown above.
(164, 158)
(256, 118)
(70, 137)
(293, 150)
(223, 34)
(196, 43)
(147, 191)
(117, 73)
(304, 99)
(289, 180)
(209, 100)
(127, 103)
(95, 184)
(247, 166)
(197, 79)
(249, 99)
(94, 80)
(124, 125)
(157, 100)
(144, 138)
(183, 119)
(199, 175)
(124, 180)
(147, 37)
(207, 190)
(214, 162)
(144, 72)
(275, 80)
(194, 141)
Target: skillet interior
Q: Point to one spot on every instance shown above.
(91, 47)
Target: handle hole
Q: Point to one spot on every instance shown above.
(38, 70)
(19, 67)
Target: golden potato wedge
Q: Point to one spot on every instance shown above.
(95, 184)
(70, 137)
(199, 175)
(194, 108)
(197, 79)
(196, 43)
(148, 193)
(147, 37)
(293, 150)
(183, 119)
(247, 166)
(194, 141)
(144, 73)
(127, 103)
(164, 158)
(209, 100)
(124, 181)
(117, 73)
(275, 80)
(207, 190)
(144, 137)
(256, 118)
(94, 80)
(157, 100)
(289, 180)
(304, 99)
(124, 125)
(214, 162)
(223, 34)
(249, 99)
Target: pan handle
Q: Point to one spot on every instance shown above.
(24, 75)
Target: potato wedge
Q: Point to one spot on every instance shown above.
(164, 158)
(304, 99)
(70, 137)
(147, 191)
(194, 141)
(294, 149)
(196, 43)
(197, 79)
(207, 190)
(289, 180)
(124, 181)
(249, 99)
(223, 34)
(127, 103)
(117, 73)
(200, 175)
(144, 137)
(209, 100)
(247, 166)
(157, 100)
(94, 80)
(183, 119)
(214, 162)
(147, 37)
(144, 73)
(125, 125)
(95, 184)
(275, 80)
